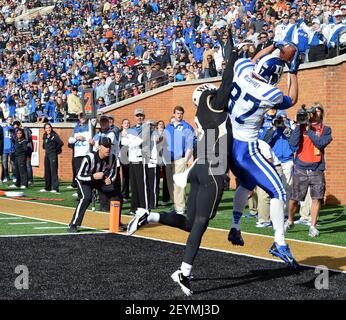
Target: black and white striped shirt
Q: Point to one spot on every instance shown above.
(92, 163)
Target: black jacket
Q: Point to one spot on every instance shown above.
(52, 144)
(21, 148)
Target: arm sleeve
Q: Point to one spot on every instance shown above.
(189, 135)
(295, 137)
(85, 171)
(285, 104)
(322, 141)
(113, 171)
(220, 100)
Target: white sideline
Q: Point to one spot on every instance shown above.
(22, 223)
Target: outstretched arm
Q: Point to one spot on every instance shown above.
(220, 100)
(263, 53)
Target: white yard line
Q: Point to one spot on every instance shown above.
(46, 221)
(49, 234)
(25, 223)
(11, 218)
(48, 228)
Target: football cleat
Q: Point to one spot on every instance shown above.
(284, 253)
(235, 237)
(140, 219)
(184, 282)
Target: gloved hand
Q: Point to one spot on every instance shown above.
(295, 63)
(279, 44)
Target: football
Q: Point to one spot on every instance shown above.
(287, 52)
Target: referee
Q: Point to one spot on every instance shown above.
(98, 171)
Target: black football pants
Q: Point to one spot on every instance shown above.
(205, 195)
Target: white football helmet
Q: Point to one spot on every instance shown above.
(199, 90)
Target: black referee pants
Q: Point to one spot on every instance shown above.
(205, 195)
(76, 163)
(85, 188)
(138, 181)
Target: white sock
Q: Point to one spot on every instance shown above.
(239, 203)
(186, 269)
(278, 219)
(154, 217)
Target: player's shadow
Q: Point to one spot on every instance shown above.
(252, 277)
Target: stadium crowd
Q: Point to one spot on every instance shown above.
(124, 48)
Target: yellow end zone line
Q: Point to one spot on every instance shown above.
(210, 228)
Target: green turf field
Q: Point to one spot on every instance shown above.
(13, 225)
(332, 223)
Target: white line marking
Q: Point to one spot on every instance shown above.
(22, 223)
(50, 234)
(11, 218)
(48, 228)
(45, 220)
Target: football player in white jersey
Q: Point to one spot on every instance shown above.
(253, 94)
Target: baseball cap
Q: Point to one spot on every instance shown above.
(337, 13)
(316, 21)
(138, 111)
(343, 7)
(285, 15)
(106, 142)
(75, 88)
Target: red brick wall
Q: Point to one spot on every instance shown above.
(324, 84)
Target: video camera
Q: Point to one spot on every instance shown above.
(303, 114)
(279, 122)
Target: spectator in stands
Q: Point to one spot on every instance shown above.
(178, 140)
(52, 145)
(124, 160)
(20, 155)
(159, 135)
(74, 104)
(79, 142)
(8, 151)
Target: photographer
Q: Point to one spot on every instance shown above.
(311, 137)
(278, 139)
